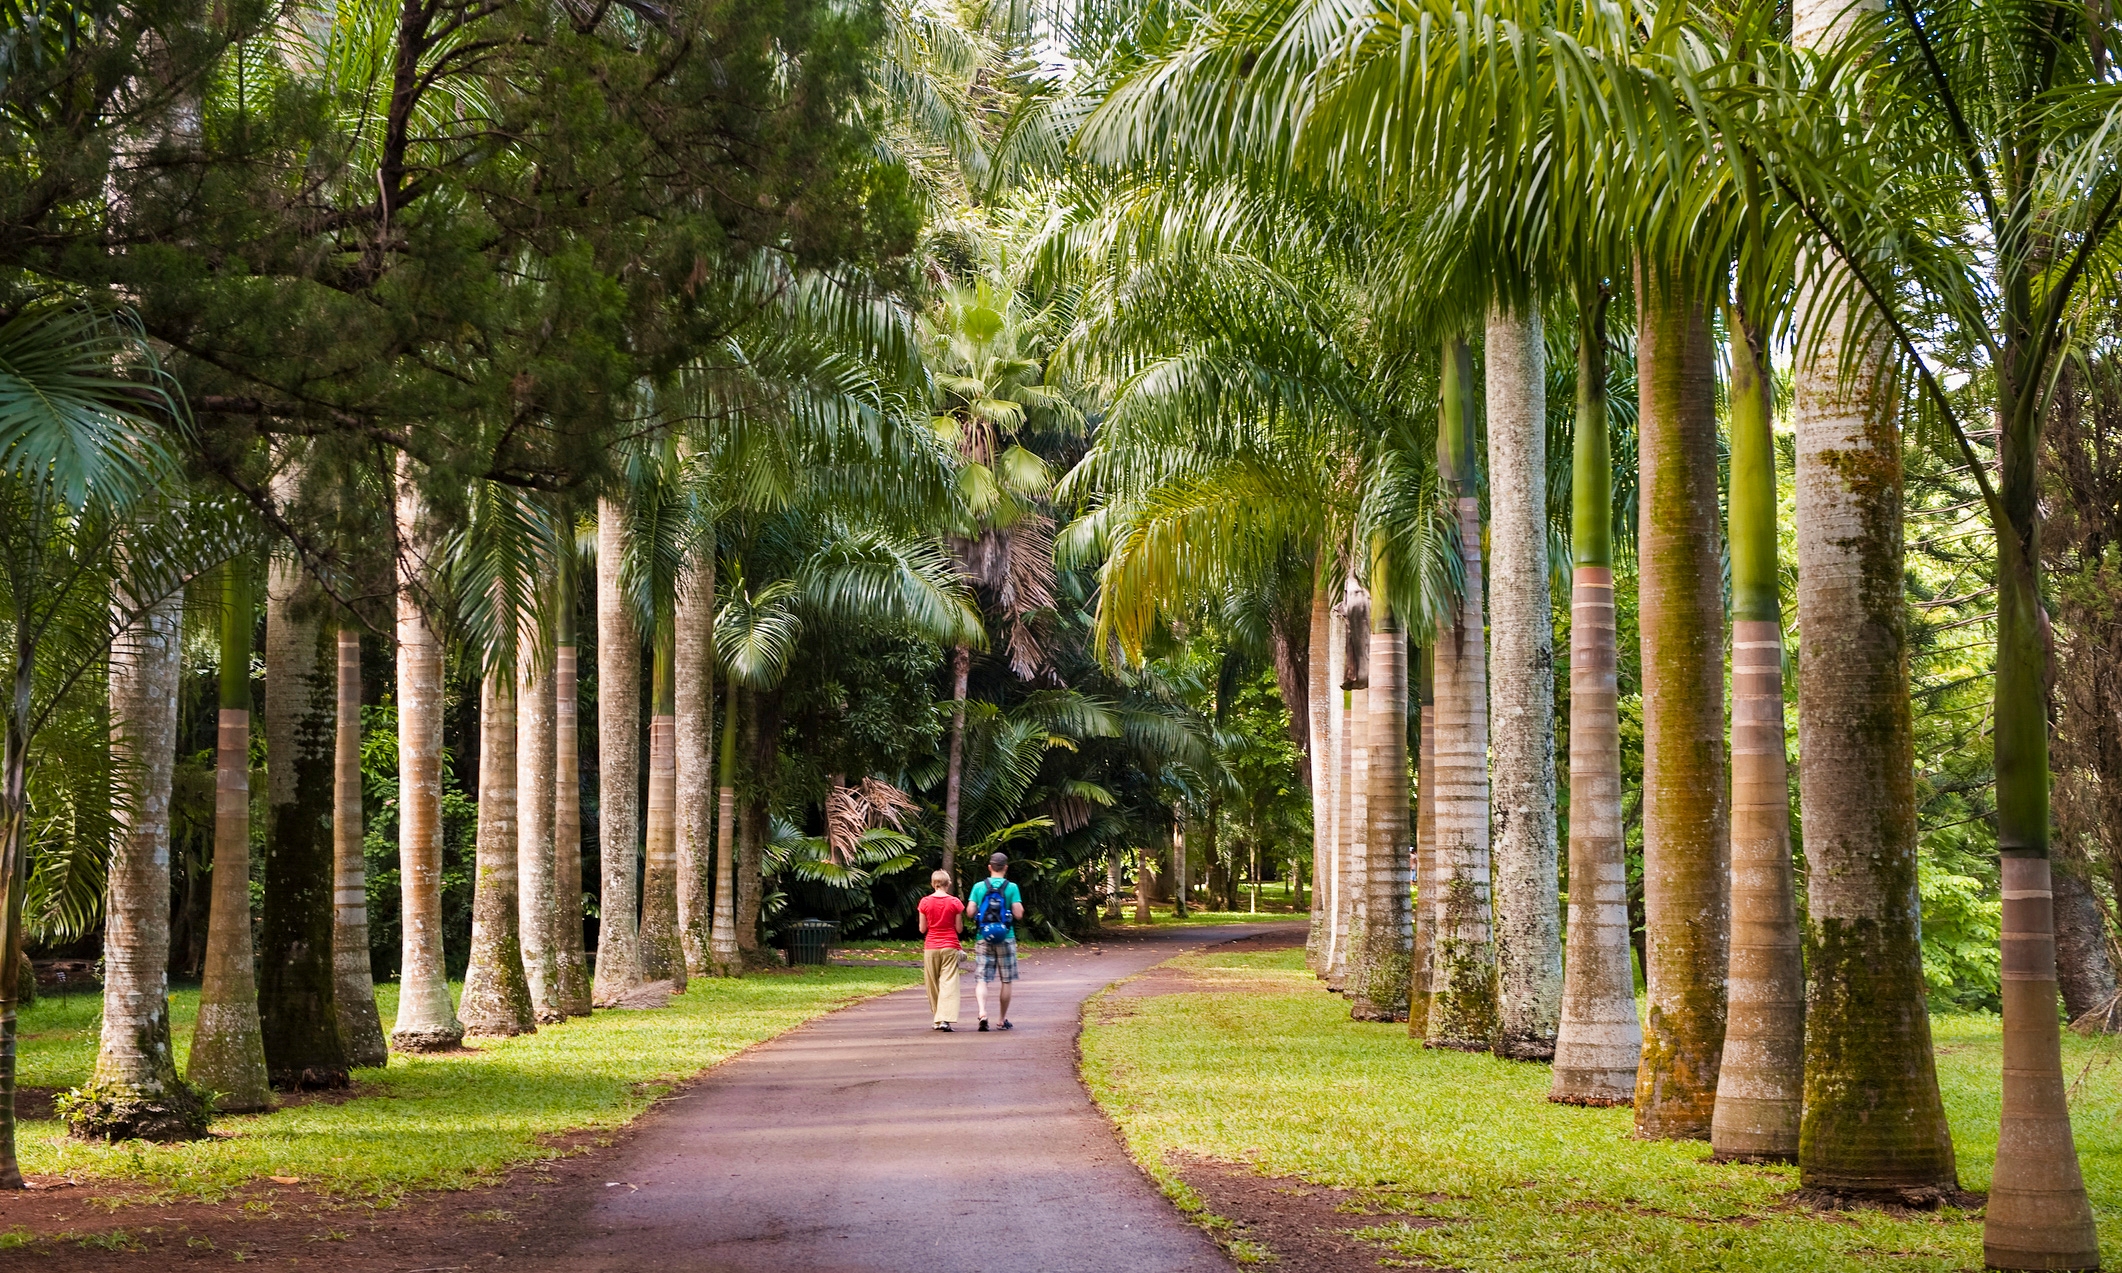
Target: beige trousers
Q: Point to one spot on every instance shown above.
(939, 969)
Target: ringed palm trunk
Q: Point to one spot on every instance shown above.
(537, 917)
(304, 1047)
(1599, 1043)
(1420, 972)
(1522, 693)
(662, 958)
(497, 1000)
(1462, 1010)
(1686, 834)
(228, 1043)
(1388, 928)
(1761, 1080)
(723, 954)
(1180, 883)
(1317, 720)
(618, 767)
(961, 662)
(570, 960)
(695, 708)
(354, 987)
(427, 1020)
(1330, 961)
(1356, 835)
(753, 827)
(135, 1090)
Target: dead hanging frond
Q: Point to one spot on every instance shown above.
(852, 812)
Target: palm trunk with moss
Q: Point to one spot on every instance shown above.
(427, 1020)
(1462, 1011)
(662, 958)
(1599, 1043)
(537, 919)
(961, 662)
(228, 1043)
(135, 1091)
(618, 766)
(1522, 692)
(1686, 834)
(1761, 1081)
(496, 1001)
(1420, 968)
(1355, 861)
(1321, 756)
(754, 825)
(354, 987)
(726, 959)
(1388, 926)
(695, 721)
(304, 1047)
(1336, 950)
(570, 957)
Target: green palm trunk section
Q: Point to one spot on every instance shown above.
(1761, 1083)
(722, 937)
(1378, 980)
(228, 1044)
(1463, 1007)
(1686, 832)
(496, 1002)
(2038, 1215)
(570, 957)
(297, 1002)
(1599, 1042)
(662, 956)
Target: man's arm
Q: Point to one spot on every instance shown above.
(1016, 906)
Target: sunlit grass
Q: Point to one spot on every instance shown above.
(1286, 1081)
(440, 1121)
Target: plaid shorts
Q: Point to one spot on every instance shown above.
(995, 960)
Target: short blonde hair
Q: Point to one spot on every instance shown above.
(939, 878)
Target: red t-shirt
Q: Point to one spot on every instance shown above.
(941, 910)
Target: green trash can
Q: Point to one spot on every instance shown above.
(810, 941)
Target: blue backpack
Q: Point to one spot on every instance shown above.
(995, 921)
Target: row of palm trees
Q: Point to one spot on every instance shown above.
(1343, 180)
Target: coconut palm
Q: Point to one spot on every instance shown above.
(228, 1044)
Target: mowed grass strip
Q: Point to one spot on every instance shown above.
(447, 1121)
(1286, 1082)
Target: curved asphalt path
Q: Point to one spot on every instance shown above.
(865, 1142)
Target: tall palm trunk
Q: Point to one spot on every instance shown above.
(1761, 1081)
(1462, 1010)
(1522, 692)
(1686, 835)
(1388, 926)
(354, 987)
(618, 766)
(427, 1020)
(570, 960)
(764, 723)
(135, 1085)
(722, 939)
(537, 915)
(304, 1048)
(1599, 1043)
(1180, 884)
(961, 662)
(662, 958)
(1421, 967)
(1355, 860)
(1318, 721)
(497, 999)
(695, 708)
(1330, 961)
(228, 1043)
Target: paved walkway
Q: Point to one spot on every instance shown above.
(867, 1143)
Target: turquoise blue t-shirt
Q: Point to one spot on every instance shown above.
(1011, 898)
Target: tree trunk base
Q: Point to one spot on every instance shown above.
(1591, 1102)
(1911, 1198)
(1461, 1045)
(2105, 1019)
(427, 1040)
(311, 1079)
(1541, 1050)
(1754, 1160)
(114, 1112)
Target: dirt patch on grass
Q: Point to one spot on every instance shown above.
(1307, 1228)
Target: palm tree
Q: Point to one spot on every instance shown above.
(570, 964)
(1381, 991)
(618, 763)
(1599, 1043)
(1355, 828)
(1319, 722)
(354, 990)
(537, 901)
(694, 709)
(1686, 835)
(228, 1044)
(496, 1002)
(427, 1019)
(304, 1047)
(662, 958)
(1522, 689)
(1421, 960)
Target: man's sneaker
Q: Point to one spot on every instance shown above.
(944, 1026)
(983, 1025)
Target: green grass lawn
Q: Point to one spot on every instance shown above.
(1287, 1082)
(442, 1121)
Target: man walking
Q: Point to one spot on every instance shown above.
(938, 916)
(996, 906)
